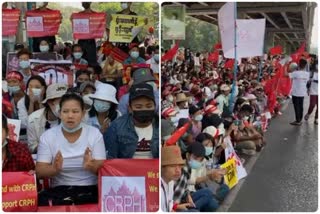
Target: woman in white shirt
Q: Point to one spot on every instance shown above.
(71, 155)
(313, 93)
(32, 101)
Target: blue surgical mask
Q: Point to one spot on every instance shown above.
(134, 54)
(44, 48)
(101, 106)
(77, 55)
(209, 150)
(13, 89)
(77, 128)
(194, 164)
(198, 117)
(24, 64)
(156, 57)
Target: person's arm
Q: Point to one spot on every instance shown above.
(98, 155)
(45, 170)
(32, 136)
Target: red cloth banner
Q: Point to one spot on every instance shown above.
(171, 53)
(276, 50)
(129, 185)
(88, 25)
(42, 23)
(19, 192)
(10, 21)
(229, 64)
(71, 208)
(217, 46)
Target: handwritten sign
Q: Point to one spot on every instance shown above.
(124, 28)
(230, 178)
(129, 185)
(19, 192)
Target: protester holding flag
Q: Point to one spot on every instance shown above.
(71, 154)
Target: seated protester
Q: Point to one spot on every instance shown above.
(134, 57)
(44, 46)
(95, 73)
(142, 75)
(217, 135)
(32, 101)
(167, 129)
(112, 71)
(246, 138)
(262, 100)
(203, 200)
(104, 109)
(171, 164)
(186, 139)
(45, 118)
(182, 106)
(81, 76)
(196, 117)
(253, 102)
(239, 102)
(169, 114)
(15, 155)
(71, 155)
(76, 56)
(223, 98)
(24, 56)
(87, 88)
(15, 90)
(154, 60)
(212, 120)
(135, 135)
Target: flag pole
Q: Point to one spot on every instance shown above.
(261, 58)
(231, 100)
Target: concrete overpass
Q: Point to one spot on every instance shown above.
(287, 23)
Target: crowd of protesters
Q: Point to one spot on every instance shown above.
(72, 130)
(203, 92)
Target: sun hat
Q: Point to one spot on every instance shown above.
(171, 155)
(105, 92)
(55, 90)
(181, 97)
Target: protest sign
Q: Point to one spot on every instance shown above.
(19, 192)
(10, 21)
(230, 177)
(12, 61)
(45, 56)
(231, 153)
(173, 22)
(88, 25)
(129, 185)
(53, 71)
(42, 23)
(124, 28)
(70, 208)
(14, 129)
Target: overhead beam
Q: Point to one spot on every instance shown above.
(210, 17)
(204, 4)
(284, 15)
(293, 40)
(287, 37)
(285, 30)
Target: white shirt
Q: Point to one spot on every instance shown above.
(72, 172)
(22, 112)
(314, 85)
(299, 83)
(144, 133)
(167, 191)
(153, 65)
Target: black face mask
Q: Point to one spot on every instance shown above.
(144, 116)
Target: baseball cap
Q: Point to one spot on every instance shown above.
(142, 75)
(141, 90)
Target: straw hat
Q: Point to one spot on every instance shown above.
(171, 155)
(181, 97)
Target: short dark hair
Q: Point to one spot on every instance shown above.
(80, 72)
(71, 96)
(24, 51)
(302, 63)
(76, 45)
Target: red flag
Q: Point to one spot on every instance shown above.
(301, 48)
(214, 57)
(42, 23)
(10, 21)
(217, 46)
(229, 64)
(299, 53)
(171, 53)
(276, 50)
(177, 134)
(88, 25)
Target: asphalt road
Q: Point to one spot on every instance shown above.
(285, 176)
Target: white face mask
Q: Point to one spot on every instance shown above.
(56, 110)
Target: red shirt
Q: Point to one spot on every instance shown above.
(18, 158)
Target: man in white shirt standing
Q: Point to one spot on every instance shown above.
(299, 90)
(171, 164)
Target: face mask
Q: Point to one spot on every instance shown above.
(77, 55)
(156, 57)
(24, 64)
(134, 54)
(194, 164)
(36, 92)
(198, 117)
(101, 106)
(71, 130)
(144, 116)
(13, 89)
(56, 110)
(209, 150)
(44, 48)
(124, 6)
(186, 105)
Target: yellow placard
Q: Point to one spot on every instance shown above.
(124, 28)
(230, 178)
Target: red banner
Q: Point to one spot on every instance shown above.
(276, 50)
(129, 185)
(42, 23)
(10, 21)
(171, 53)
(19, 192)
(71, 208)
(88, 25)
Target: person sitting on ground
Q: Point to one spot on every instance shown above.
(112, 71)
(81, 76)
(76, 56)
(134, 57)
(24, 56)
